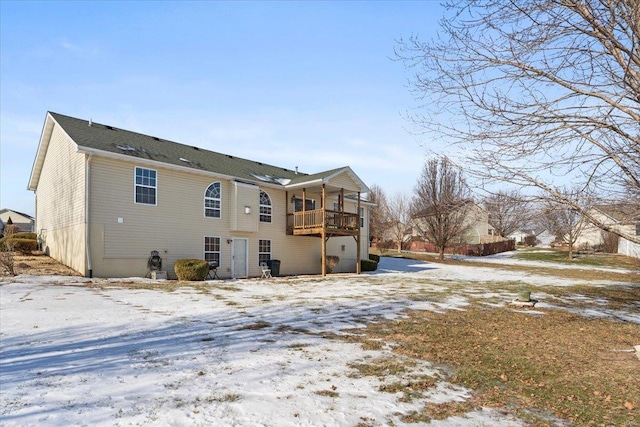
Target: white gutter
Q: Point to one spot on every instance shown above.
(87, 207)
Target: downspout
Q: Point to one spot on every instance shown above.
(87, 196)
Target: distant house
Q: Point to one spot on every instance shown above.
(522, 235)
(477, 229)
(539, 237)
(623, 217)
(106, 197)
(23, 221)
(544, 238)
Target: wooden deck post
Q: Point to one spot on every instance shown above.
(358, 250)
(304, 208)
(324, 236)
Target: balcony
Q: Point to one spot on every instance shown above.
(318, 221)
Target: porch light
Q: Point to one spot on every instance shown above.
(247, 210)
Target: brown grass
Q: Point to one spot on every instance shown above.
(557, 364)
(41, 265)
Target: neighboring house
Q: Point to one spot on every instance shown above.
(628, 248)
(624, 217)
(107, 197)
(23, 221)
(544, 238)
(521, 235)
(477, 228)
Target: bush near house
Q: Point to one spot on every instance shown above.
(368, 265)
(330, 262)
(20, 242)
(374, 257)
(191, 269)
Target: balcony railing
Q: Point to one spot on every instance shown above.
(313, 221)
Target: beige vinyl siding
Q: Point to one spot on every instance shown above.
(176, 226)
(592, 235)
(245, 195)
(344, 181)
(297, 254)
(60, 202)
(124, 233)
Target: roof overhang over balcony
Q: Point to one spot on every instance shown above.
(334, 181)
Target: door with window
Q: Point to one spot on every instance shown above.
(240, 262)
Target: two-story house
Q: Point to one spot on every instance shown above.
(106, 197)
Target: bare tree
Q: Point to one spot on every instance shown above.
(565, 222)
(399, 219)
(609, 242)
(536, 93)
(378, 213)
(442, 203)
(508, 211)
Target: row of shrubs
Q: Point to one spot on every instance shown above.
(197, 269)
(24, 242)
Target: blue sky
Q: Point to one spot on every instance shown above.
(307, 84)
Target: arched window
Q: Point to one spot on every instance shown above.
(265, 207)
(212, 201)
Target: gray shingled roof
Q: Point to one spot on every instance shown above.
(124, 142)
(628, 213)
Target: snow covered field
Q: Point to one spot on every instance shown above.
(76, 351)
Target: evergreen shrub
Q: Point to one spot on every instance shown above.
(368, 265)
(191, 269)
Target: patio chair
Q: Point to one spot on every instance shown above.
(266, 271)
(213, 271)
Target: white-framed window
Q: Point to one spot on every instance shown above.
(265, 207)
(212, 249)
(264, 251)
(146, 186)
(213, 201)
(361, 217)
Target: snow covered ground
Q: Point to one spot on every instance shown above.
(75, 351)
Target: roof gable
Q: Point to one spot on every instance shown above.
(343, 177)
(15, 216)
(623, 213)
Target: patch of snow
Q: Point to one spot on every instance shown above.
(234, 353)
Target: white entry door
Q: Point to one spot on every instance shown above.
(240, 258)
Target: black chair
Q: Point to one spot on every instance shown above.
(213, 271)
